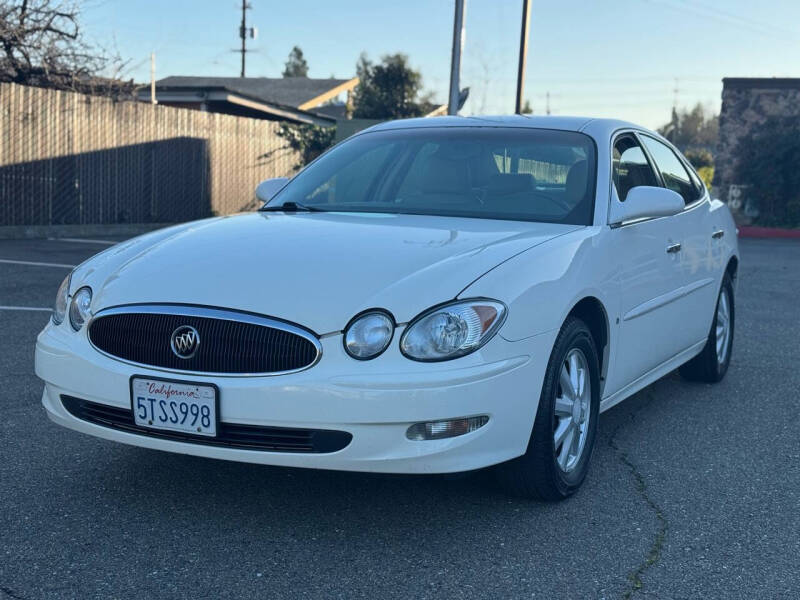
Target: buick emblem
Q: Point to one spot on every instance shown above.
(185, 341)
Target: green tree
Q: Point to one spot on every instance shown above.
(768, 159)
(692, 129)
(699, 157)
(703, 161)
(695, 133)
(389, 90)
(527, 109)
(296, 65)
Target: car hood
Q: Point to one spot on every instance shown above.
(314, 269)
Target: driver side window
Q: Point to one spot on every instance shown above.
(355, 180)
(630, 166)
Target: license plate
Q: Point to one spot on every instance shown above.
(174, 406)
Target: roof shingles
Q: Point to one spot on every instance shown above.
(285, 91)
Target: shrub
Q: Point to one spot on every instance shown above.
(307, 140)
(707, 175)
(768, 160)
(699, 157)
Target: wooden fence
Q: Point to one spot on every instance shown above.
(67, 158)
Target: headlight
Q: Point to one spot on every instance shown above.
(79, 308)
(60, 307)
(368, 335)
(452, 330)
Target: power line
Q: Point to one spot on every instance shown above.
(625, 92)
(746, 21)
(630, 78)
(664, 102)
(729, 19)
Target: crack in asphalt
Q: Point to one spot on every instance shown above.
(10, 593)
(652, 556)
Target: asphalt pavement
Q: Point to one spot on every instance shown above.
(694, 490)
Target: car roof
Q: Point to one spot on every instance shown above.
(599, 127)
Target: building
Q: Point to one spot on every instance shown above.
(292, 99)
(746, 103)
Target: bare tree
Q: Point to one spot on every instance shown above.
(41, 44)
(482, 69)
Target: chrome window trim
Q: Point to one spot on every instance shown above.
(188, 310)
(681, 159)
(612, 190)
(616, 134)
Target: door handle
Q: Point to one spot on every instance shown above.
(673, 248)
(718, 234)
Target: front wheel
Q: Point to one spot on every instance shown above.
(557, 459)
(712, 363)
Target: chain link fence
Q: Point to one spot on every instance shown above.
(70, 159)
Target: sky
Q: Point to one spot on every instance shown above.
(630, 59)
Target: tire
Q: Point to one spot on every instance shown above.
(544, 472)
(709, 366)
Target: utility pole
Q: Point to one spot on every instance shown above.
(675, 91)
(153, 78)
(455, 61)
(243, 32)
(674, 120)
(523, 53)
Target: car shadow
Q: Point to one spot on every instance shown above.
(217, 485)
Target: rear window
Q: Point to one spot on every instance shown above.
(480, 172)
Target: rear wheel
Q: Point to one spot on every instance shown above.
(712, 363)
(557, 459)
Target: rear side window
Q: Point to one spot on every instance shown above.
(631, 168)
(674, 174)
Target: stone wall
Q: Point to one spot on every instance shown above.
(746, 104)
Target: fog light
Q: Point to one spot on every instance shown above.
(437, 430)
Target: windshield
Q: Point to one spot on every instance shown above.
(480, 172)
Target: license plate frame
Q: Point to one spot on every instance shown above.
(168, 428)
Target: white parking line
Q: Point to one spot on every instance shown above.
(35, 264)
(25, 308)
(83, 241)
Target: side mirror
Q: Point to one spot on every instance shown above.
(644, 201)
(267, 189)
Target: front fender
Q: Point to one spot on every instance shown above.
(542, 285)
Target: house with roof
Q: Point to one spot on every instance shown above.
(292, 99)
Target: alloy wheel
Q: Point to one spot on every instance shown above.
(572, 410)
(723, 330)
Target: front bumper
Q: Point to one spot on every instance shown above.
(376, 401)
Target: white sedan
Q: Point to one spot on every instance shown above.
(429, 296)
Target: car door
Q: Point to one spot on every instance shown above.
(698, 294)
(648, 274)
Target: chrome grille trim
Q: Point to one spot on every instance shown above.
(189, 310)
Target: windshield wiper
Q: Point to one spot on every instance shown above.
(290, 207)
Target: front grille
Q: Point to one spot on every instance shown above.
(229, 435)
(230, 342)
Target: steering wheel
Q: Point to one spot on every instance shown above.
(557, 201)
